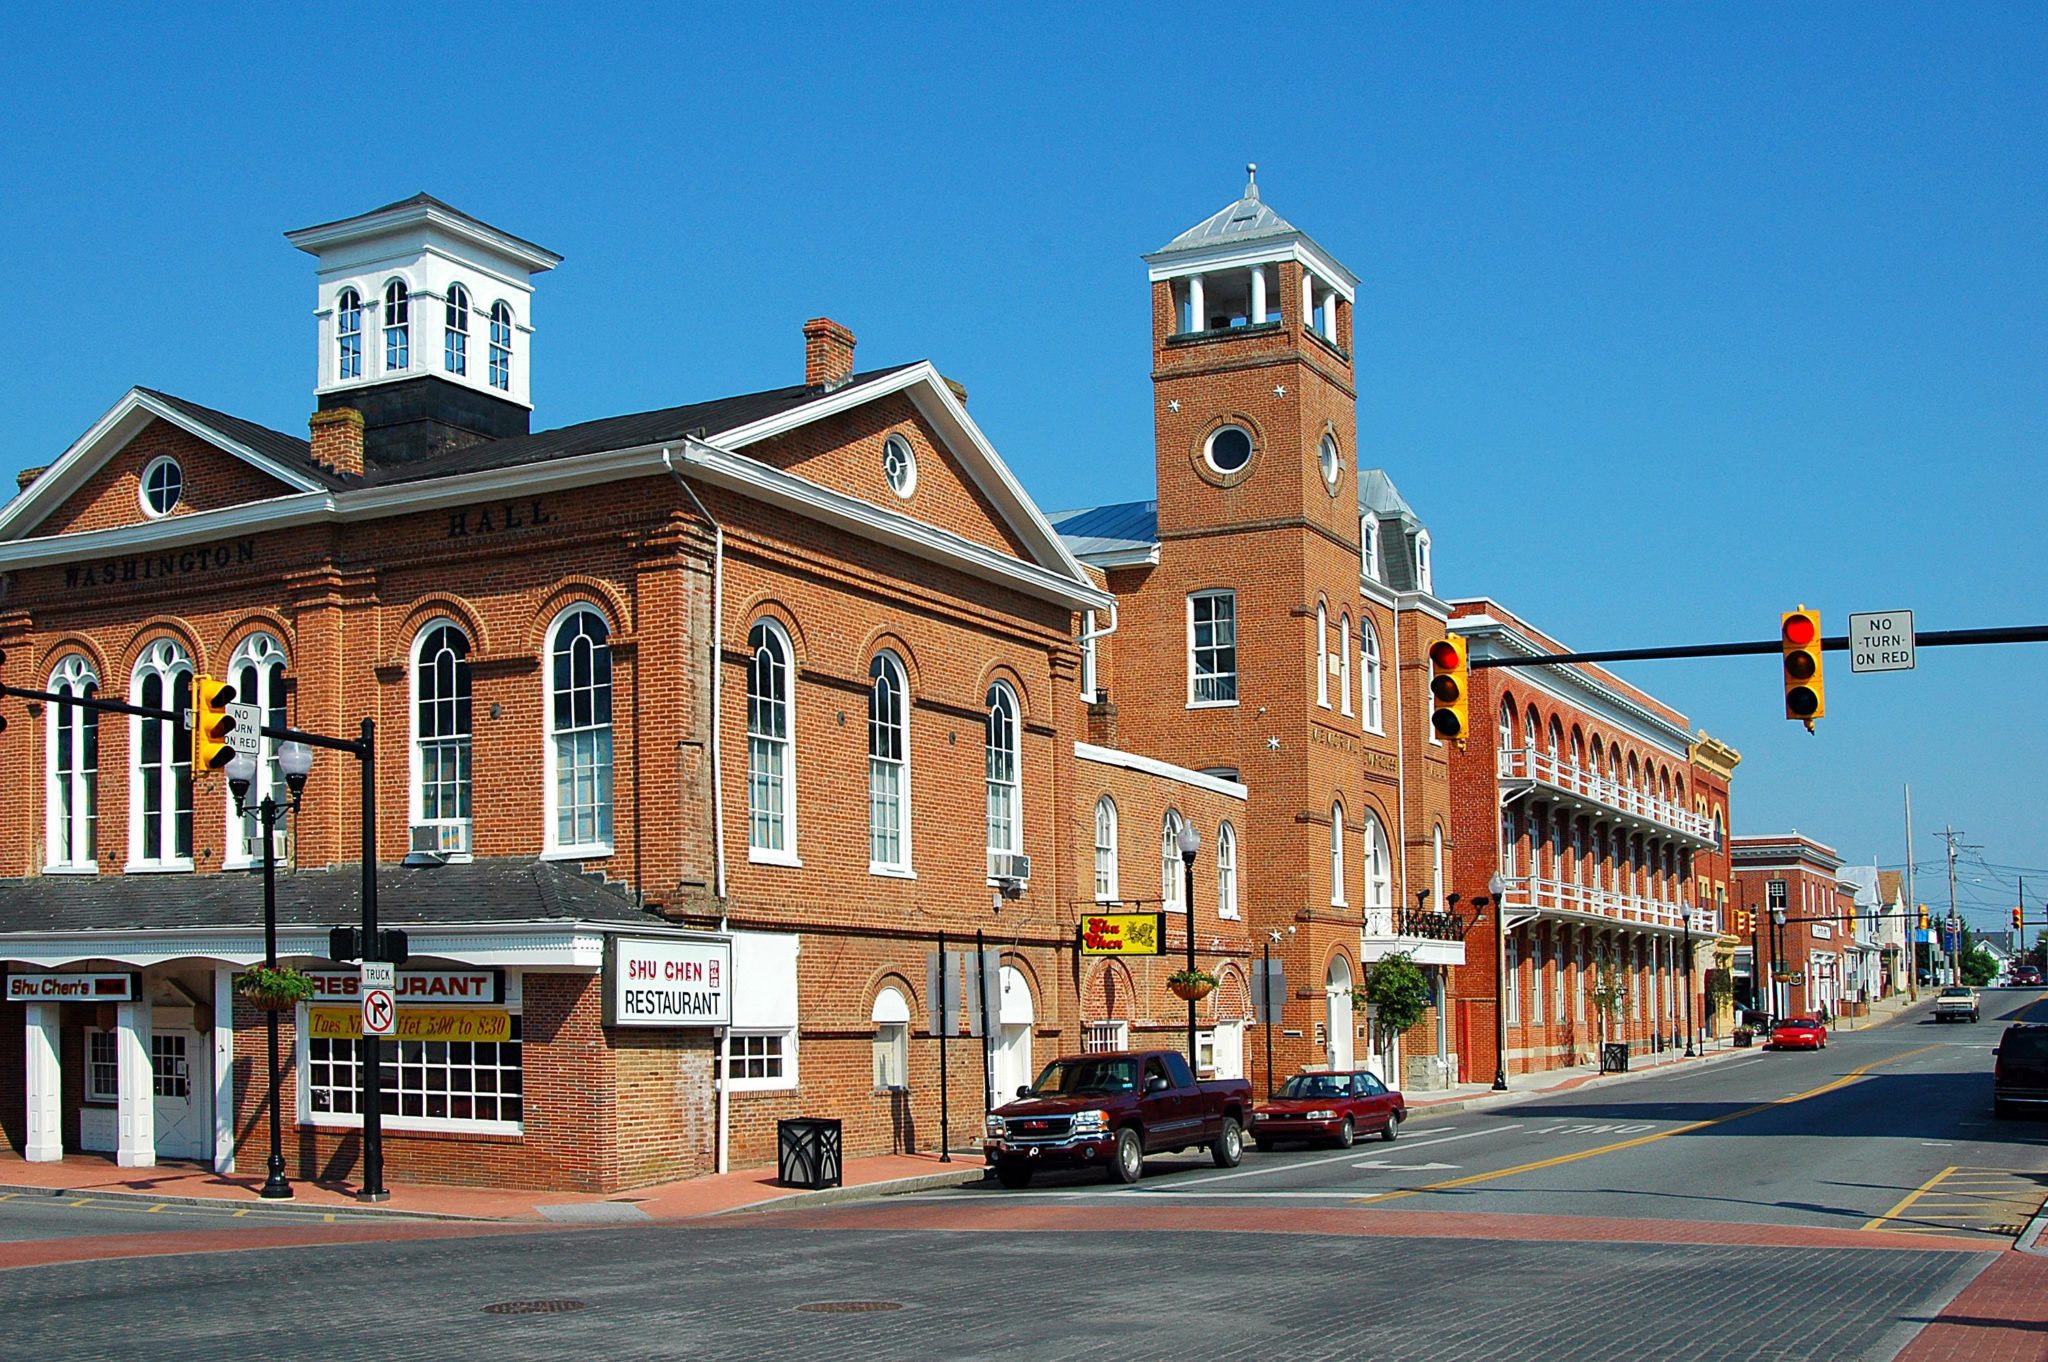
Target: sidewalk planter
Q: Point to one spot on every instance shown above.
(1742, 1038)
(1614, 1058)
(807, 1152)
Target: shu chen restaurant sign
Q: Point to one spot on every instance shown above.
(668, 981)
(40, 986)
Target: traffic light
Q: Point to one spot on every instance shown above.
(1799, 637)
(2016, 923)
(1924, 925)
(1449, 675)
(211, 724)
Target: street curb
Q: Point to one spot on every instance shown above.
(1583, 1081)
(2030, 1237)
(825, 1196)
(280, 1207)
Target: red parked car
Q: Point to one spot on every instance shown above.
(1799, 1033)
(1329, 1106)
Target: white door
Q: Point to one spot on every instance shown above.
(183, 1065)
(1011, 1057)
(1340, 1023)
(1230, 1049)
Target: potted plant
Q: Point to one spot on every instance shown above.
(1191, 984)
(274, 988)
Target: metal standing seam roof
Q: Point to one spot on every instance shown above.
(1122, 526)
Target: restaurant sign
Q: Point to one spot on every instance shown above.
(1122, 933)
(46, 986)
(414, 1023)
(668, 981)
(435, 987)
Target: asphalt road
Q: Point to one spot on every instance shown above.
(1783, 1206)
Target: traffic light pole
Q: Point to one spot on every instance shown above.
(1835, 643)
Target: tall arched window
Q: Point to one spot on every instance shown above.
(440, 735)
(1322, 655)
(1436, 867)
(888, 765)
(257, 671)
(1379, 875)
(1371, 698)
(71, 836)
(1344, 662)
(1425, 569)
(501, 347)
(1531, 726)
(397, 326)
(771, 775)
(1105, 850)
(455, 331)
(1337, 853)
(160, 781)
(348, 334)
(579, 751)
(1226, 871)
(1005, 830)
(1171, 872)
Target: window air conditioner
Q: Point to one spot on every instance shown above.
(1010, 867)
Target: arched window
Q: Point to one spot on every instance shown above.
(501, 347)
(397, 326)
(891, 1016)
(1531, 726)
(1344, 662)
(455, 333)
(160, 781)
(1595, 769)
(1578, 750)
(257, 671)
(1226, 871)
(348, 334)
(1322, 655)
(71, 836)
(1370, 699)
(1369, 546)
(440, 735)
(580, 731)
(1005, 831)
(1172, 873)
(1337, 853)
(888, 765)
(1556, 741)
(1105, 850)
(1436, 866)
(1425, 571)
(1507, 725)
(1379, 875)
(771, 775)
(1635, 772)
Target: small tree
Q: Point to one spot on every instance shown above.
(1608, 992)
(1979, 967)
(1398, 992)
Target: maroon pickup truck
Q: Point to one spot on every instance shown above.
(1109, 1111)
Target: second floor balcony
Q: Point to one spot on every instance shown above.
(1529, 896)
(1427, 938)
(1523, 770)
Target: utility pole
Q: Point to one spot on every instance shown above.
(1949, 835)
(1912, 924)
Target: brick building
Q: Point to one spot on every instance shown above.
(1796, 876)
(1573, 787)
(1273, 604)
(1719, 931)
(785, 679)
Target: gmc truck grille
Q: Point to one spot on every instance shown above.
(1041, 1127)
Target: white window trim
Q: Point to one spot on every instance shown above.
(1337, 896)
(1114, 888)
(1425, 569)
(1344, 662)
(73, 674)
(789, 1072)
(553, 847)
(1323, 655)
(785, 855)
(138, 863)
(1173, 873)
(1372, 696)
(415, 795)
(1016, 783)
(898, 869)
(142, 487)
(235, 853)
(1379, 888)
(1235, 674)
(1088, 658)
(909, 459)
(1226, 874)
(1369, 547)
(339, 1120)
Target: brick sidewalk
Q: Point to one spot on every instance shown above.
(2002, 1316)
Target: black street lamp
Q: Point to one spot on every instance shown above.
(1685, 917)
(295, 760)
(1779, 1007)
(1497, 888)
(1190, 842)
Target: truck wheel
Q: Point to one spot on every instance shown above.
(1127, 1164)
(1013, 1174)
(1228, 1148)
(1347, 1134)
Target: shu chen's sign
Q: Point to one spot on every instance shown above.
(39, 986)
(668, 982)
(1122, 933)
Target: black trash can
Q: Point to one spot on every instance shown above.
(1614, 1058)
(807, 1152)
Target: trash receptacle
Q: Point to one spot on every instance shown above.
(1742, 1038)
(1614, 1058)
(807, 1152)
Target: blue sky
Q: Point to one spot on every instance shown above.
(1671, 316)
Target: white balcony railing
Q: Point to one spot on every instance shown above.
(1591, 787)
(1527, 894)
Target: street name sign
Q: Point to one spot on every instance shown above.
(243, 737)
(1881, 641)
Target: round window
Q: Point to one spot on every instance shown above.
(163, 482)
(900, 465)
(1229, 450)
(1327, 457)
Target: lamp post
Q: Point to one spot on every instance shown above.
(1190, 842)
(295, 760)
(1780, 1005)
(1685, 918)
(1497, 888)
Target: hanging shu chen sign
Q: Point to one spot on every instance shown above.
(668, 982)
(40, 986)
(1122, 933)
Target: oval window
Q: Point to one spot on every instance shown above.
(1229, 450)
(900, 465)
(163, 483)
(1327, 457)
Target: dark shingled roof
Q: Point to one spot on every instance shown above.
(289, 450)
(426, 200)
(506, 889)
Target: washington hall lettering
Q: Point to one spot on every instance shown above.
(157, 567)
(509, 515)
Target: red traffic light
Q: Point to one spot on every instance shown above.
(1801, 629)
(1444, 653)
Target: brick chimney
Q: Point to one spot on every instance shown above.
(338, 440)
(828, 353)
(29, 475)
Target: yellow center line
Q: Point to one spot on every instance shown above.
(1475, 1178)
(157, 1209)
(1922, 1190)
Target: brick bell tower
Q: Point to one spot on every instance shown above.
(1254, 408)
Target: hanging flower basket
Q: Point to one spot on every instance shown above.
(274, 990)
(1191, 984)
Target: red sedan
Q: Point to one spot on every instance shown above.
(1799, 1033)
(1329, 1106)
